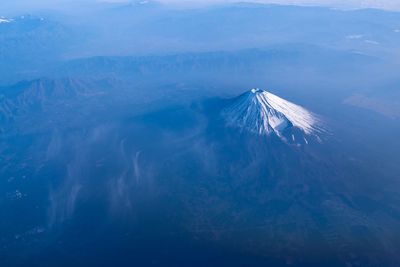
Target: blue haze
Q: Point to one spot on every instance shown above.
(113, 150)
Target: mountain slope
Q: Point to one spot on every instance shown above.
(263, 113)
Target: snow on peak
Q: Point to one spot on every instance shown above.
(255, 90)
(264, 113)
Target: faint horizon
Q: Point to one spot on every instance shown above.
(27, 6)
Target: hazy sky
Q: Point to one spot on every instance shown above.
(385, 4)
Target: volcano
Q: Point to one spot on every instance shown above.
(263, 113)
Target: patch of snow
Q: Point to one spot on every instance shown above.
(372, 42)
(354, 36)
(5, 20)
(298, 116)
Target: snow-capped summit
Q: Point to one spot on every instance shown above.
(261, 112)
